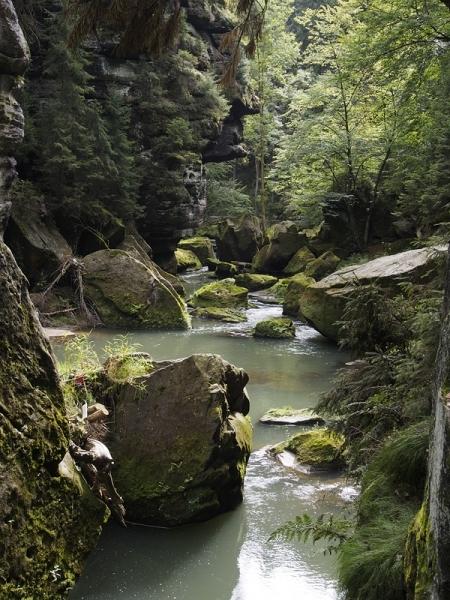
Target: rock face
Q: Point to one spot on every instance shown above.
(239, 241)
(283, 241)
(181, 441)
(14, 59)
(225, 294)
(277, 328)
(126, 292)
(49, 520)
(322, 304)
(37, 245)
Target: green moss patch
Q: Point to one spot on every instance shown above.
(278, 328)
(223, 293)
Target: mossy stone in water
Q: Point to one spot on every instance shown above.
(186, 259)
(202, 247)
(254, 282)
(291, 416)
(295, 288)
(225, 294)
(278, 328)
(227, 315)
(319, 449)
(226, 269)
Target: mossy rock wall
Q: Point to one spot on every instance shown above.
(181, 440)
(49, 520)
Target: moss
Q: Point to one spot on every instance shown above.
(319, 448)
(254, 282)
(278, 328)
(186, 259)
(226, 269)
(223, 293)
(295, 288)
(202, 247)
(299, 261)
(326, 264)
(419, 559)
(228, 315)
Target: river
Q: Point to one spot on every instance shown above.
(230, 557)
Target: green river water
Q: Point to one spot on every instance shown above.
(230, 557)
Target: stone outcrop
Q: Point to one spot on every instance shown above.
(322, 304)
(283, 241)
(36, 243)
(181, 440)
(49, 519)
(126, 292)
(239, 240)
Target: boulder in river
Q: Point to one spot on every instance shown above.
(127, 293)
(227, 315)
(317, 450)
(239, 240)
(299, 261)
(283, 241)
(276, 328)
(291, 416)
(181, 440)
(202, 247)
(323, 303)
(226, 269)
(186, 259)
(295, 288)
(224, 294)
(254, 282)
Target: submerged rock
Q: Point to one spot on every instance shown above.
(299, 261)
(128, 293)
(181, 440)
(186, 259)
(323, 303)
(202, 247)
(295, 288)
(225, 294)
(277, 327)
(254, 282)
(291, 416)
(316, 450)
(239, 241)
(227, 315)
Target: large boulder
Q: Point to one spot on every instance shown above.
(181, 440)
(127, 292)
(322, 266)
(295, 288)
(254, 282)
(299, 261)
(223, 293)
(186, 259)
(283, 241)
(323, 303)
(239, 241)
(202, 247)
(36, 243)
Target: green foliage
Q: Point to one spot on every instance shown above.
(80, 358)
(226, 196)
(333, 530)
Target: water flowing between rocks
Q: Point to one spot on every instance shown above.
(230, 557)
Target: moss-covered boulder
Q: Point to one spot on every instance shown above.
(323, 303)
(181, 440)
(277, 327)
(317, 450)
(239, 240)
(283, 241)
(226, 269)
(254, 282)
(295, 288)
(125, 292)
(299, 261)
(49, 519)
(212, 263)
(227, 315)
(202, 247)
(291, 416)
(322, 266)
(224, 294)
(186, 259)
